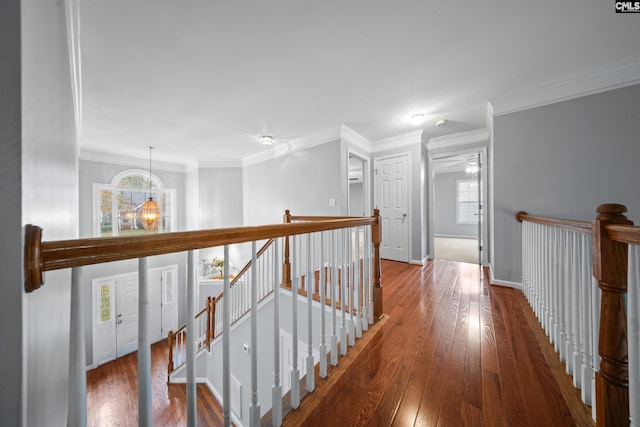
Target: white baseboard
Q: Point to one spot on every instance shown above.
(455, 236)
(215, 393)
(423, 262)
(515, 285)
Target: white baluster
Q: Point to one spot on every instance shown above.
(191, 337)
(77, 364)
(226, 343)
(276, 393)
(295, 373)
(351, 284)
(309, 284)
(633, 331)
(368, 313)
(254, 408)
(343, 290)
(334, 290)
(357, 285)
(323, 302)
(595, 318)
(145, 415)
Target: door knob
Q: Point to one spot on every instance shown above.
(404, 215)
(119, 321)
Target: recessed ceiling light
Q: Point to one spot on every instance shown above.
(440, 122)
(267, 139)
(416, 119)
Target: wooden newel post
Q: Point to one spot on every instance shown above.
(376, 237)
(610, 269)
(209, 322)
(286, 265)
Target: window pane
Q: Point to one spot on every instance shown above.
(106, 216)
(105, 303)
(136, 181)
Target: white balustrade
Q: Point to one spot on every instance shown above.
(558, 282)
(633, 330)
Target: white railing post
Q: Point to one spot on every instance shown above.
(276, 394)
(351, 279)
(254, 409)
(323, 301)
(191, 337)
(586, 322)
(77, 365)
(226, 343)
(343, 291)
(310, 285)
(295, 373)
(145, 416)
(334, 290)
(368, 282)
(357, 286)
(633, 331)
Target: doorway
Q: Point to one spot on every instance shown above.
(115, 312)
(457, 198)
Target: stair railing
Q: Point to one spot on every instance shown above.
(209, 320)
(40, 257)
(596, 332)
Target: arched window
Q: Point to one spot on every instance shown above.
(117, 206)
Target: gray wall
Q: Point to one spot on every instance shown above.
(302, 181)
(11, 397)
(98, 172)
(563, 160)
(50, 200)
(445, 206)
(356, 199)
(220, 191)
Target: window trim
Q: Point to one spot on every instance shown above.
(113, 186)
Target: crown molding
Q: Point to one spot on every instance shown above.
(118, 159)
(609, 79)
(220, 163)
(354, 139)
(404, 140)
(461, 138)
(279, 149)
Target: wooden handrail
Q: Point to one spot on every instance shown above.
(629, 234)
(577, 226)
(46, 256)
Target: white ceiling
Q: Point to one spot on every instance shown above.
(200, 80)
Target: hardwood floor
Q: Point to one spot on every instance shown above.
(452, 351)
(112, 394)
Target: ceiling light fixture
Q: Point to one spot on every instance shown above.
(440, 122)
(267, 139)
(416, 119)
(472, 166)
(150, 211)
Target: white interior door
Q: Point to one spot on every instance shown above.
(127, 314)
(169, 300)
(392, 188)
(104, 309)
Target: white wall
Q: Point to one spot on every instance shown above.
(11, 310)
(220, 197)
(563, 160)
(50, 200)
(302, 181)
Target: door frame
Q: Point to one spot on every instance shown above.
(409, 194)
(483, 178)
(366, 180)
(112, 280)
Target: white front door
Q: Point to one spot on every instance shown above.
(126, 314)
(392, 189)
